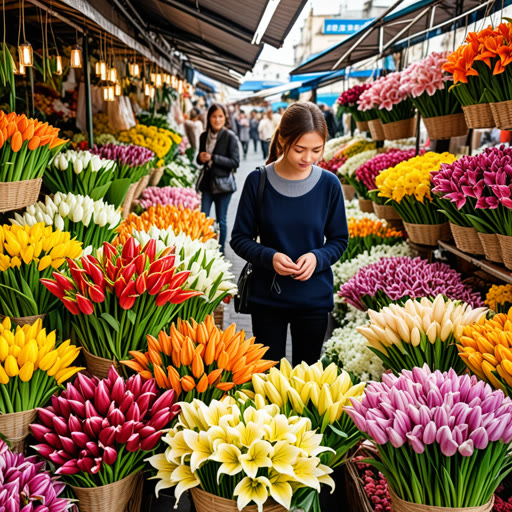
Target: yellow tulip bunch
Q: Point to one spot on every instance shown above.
(158, 140)
(27, 254)
(408, 187)
(486, 348)
(32, 366)
(243, 452)
(317, 393)
(419, 332)
(499, 298)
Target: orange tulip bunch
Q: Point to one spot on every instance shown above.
(200, 360)
(481, 66)
(26, 146)
(182, 220)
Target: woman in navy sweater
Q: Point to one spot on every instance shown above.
(303, 231)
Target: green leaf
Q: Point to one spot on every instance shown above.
(132, 316)
(111, 320)
(117, 191)
(100, 192)
(338, 431)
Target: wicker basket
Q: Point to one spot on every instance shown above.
(362, 126)
(14, 427)
(128, 200)
(206, 502)
(366, 205)
(18, 194)
(446, 127)
(428, 234)
(112, 497)
(155, 176)
(506, 250)
(502, 114)
(400, 129)
(386, 212)
(399, 505)
(24, 320)
(491, 246)
(143, 183)
(218, 316)
(356, 485)
(376, 131)
(479, 116)
(98, 366)
(349, 192)
(466, 239)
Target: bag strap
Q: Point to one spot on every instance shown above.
(261, 187)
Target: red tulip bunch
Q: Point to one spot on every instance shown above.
(120, 298)
(99, 431)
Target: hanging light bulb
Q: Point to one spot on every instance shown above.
(103, 70)
(147, 90)
(99, 67)
(180, 86)
(174, 82)
(109, 93)
(152, 77)
(167, 79)
(26, 54)
(136, 70)
(118, 89)
(151, 92)
(19, 69)
(112, 75)
(158, 80)
(58, 65)
(76, 56)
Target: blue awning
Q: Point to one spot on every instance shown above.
(258, 85)
(203, 82)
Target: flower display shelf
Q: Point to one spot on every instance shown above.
(491, 268)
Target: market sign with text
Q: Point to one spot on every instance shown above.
(344, 26)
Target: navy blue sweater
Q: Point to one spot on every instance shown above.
(314, 222)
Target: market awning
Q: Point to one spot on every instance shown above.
(258, 85)
(407, 26)
(204, 83)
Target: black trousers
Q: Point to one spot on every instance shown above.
(265, 146)
(308, 328)
(245, 146)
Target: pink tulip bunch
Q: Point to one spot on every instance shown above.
(99, 431)
(428, 85)
(175, 196)
(385, 96)
(400, 278)
(435, 432)
(26, 487)
(367, 173)
(477, 190)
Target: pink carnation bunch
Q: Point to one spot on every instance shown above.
(175, 196)
(425, 76)
(352, 95)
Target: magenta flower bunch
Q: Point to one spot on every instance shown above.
(428, 86)
(26, 487)
(99, 431)
(443, 439)
(477, 190)
(400, 278)
(366, 174)
(133, 162)
(391, 104)
(348, 101)
(176, 196)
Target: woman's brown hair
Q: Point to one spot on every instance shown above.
(298, 119)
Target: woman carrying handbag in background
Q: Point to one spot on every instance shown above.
(220, 157)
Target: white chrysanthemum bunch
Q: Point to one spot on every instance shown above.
(354, 212)
(332, 145)
(349, 168)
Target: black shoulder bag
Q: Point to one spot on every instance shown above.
(244, 281)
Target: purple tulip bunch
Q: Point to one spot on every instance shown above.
(175, 196)
(99, 431)
(400, 278)
(477, 190)
(443, 438)
(26, 487)
(133, 161)
(367, 173)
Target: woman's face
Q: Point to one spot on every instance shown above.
(217, 120)
(306, 151)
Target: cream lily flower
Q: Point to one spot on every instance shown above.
(185, 480)
(278, 430)
(284, 456)
(257, 457)
(201, 445)
(229, 457)
(252, 489)
(304, 472)
(280, 489)
(179, 447)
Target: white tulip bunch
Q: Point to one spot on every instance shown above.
(91, 222)
(80, 172)
(209, 270)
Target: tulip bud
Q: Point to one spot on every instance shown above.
(78, 166)
(132, 445)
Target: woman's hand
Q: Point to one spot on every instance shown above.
(204, 157)
(283, 265)
(307, 265)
